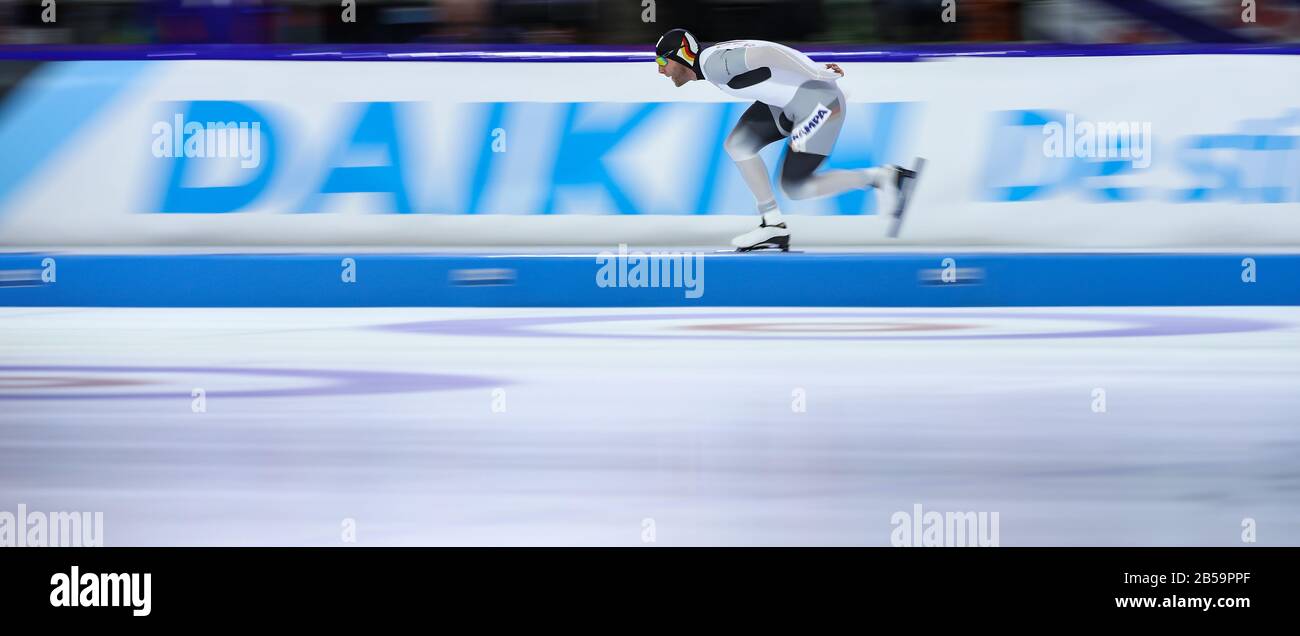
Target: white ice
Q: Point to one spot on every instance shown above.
(700, 439)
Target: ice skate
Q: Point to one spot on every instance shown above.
(902, 183)
(763, 237)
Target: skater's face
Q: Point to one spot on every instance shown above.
(676, 71)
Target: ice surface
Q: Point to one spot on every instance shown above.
(689, 418)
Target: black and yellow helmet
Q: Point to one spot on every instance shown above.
(680, 46)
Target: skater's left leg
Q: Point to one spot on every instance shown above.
(755, 130)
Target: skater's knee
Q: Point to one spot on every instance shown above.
(796, 174)
(795, 187)
(740, 146)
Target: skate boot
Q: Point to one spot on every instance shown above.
(764, 237)
(901, 182)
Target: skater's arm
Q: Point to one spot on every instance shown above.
(785, 59)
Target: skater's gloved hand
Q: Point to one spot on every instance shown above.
(836, 68)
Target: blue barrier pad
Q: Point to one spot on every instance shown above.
(581, 279)
(549, 53)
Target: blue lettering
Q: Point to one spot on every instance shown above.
(376, 127)
(180, 198)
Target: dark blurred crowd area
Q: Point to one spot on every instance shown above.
(625, 22)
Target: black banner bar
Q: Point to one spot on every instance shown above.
(359, 582)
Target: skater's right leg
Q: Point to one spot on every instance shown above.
(799, 179)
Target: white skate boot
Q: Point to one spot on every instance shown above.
(764, 237)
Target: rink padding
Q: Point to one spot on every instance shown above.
(570, 280)
(553, 53)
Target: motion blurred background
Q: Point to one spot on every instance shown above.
(187, 347)
(611, 22)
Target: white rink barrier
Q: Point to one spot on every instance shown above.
(1164, 151)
